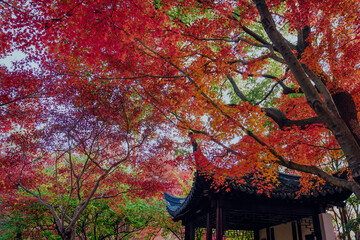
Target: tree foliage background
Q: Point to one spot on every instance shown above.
(266, 86)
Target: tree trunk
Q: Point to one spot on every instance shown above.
(68, 233)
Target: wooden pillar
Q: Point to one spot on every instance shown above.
(268, 236)
(299, 229)
(316, 225)
(220, 220)
(293, 230)
(208, 226)
(257, 234)
(189, 231)
(272, 231)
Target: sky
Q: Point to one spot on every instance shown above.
(15, 56)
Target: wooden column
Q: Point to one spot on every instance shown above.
(272, 233)
(220, 220)
(189, 231)
(293, 230)
(208, 226)
(299, 229)
(257, 234)
(268, 236)
(316, 224)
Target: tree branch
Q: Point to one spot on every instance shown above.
(256, 36)
(278, 116)
(322, 89)
(236, 89)
(283, 122)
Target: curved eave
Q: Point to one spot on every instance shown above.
(173, 204)
(178, 206)
(285, 191)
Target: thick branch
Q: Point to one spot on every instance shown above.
(283, 122)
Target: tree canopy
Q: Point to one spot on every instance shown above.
(265, 86)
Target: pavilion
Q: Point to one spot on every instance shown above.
(281, 214)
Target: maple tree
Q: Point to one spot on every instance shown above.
(84, 142)
(266, 86)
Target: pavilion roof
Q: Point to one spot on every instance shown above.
(286, 191)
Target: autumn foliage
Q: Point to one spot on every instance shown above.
(265, 86)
